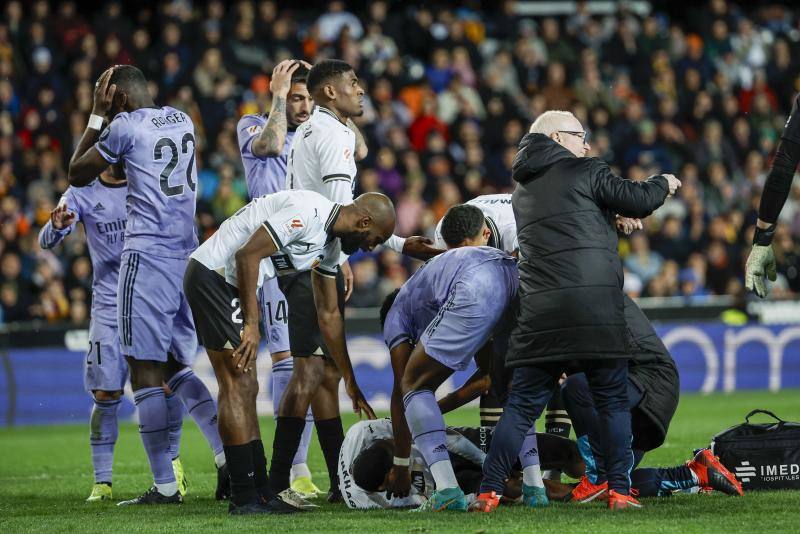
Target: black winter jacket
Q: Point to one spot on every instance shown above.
(571, 300)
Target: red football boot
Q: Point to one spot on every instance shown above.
(712, 475)
(485, 502)
(617, 501)
(587, 492)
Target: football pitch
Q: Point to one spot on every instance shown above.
(45, 475)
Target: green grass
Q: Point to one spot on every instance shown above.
(45, 475)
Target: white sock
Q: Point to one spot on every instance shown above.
(299, 470)
(169, 489)
(219, 459)
(532, 476)
(443, 475)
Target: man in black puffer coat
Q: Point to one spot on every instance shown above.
(571, 301)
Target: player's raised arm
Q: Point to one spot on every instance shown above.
(362, 150)
(270, 141)
(260, 245)
(87, 162)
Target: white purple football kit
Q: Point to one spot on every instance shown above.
(157, 146)
(100, 206)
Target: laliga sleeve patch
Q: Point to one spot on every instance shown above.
(254, 129)
(293, 224)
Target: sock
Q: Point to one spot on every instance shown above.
(104, 429)
(662, 481)
(585, 448)
(529, 458)
(201, 406)
(331, 437)
(298, 471)
(281, 374)
(175, 417)
(556, 418)
(428, 431)
(242, 472)
(284, 446)
(154, 430)
(305, 441)
(260, 480)
(491, 408)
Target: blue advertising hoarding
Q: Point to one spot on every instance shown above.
(45, 385)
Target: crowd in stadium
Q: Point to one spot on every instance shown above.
(449, 94)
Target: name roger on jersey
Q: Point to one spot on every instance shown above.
(173, 118)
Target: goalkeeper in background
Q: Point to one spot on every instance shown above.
(761, 261)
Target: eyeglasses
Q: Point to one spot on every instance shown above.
(583, 135)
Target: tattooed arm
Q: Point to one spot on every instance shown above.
(361, 145)
(270, 142)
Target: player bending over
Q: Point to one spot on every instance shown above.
(274, 235)
(156, 333)
(264, 143)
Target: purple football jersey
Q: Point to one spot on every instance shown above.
(157, 146)
(264, 175)
(426, 292)
(101, 209)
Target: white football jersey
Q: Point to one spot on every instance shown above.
(363, 434)
(499, 218)
(322, 157)
(299, 223)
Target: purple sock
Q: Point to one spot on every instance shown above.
(154, 429)
(427, 425)
(199, 404)
(104, 429)
(529, 454)
(175, 418)
(281, 373)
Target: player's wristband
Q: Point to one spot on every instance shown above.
(763, 237)
(401, 462)
(95, 122)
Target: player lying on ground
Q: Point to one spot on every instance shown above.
(272, 236)
(366, 458)
(264, 142)
(156, 146)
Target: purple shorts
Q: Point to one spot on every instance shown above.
(104, 368)
(275, 314)
(153, 314)
(467, 319)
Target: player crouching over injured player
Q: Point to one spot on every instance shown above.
(273, 235)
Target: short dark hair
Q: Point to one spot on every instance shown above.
(324, 71)
(300, 75)
(461, 222)
(129, 79)
(371, 465)
(387, 305)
